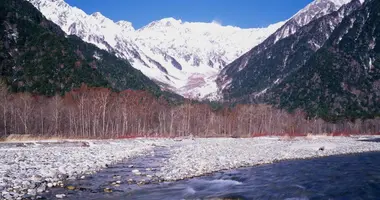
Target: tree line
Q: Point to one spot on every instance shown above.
(100, 113)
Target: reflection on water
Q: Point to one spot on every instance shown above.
(338, 177)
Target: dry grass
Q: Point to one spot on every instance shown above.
(318, 136)
(25, 137)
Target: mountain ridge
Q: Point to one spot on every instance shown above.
(202, 60)
(38, 57)
(270, 62)
(233, 75)
(341, 80)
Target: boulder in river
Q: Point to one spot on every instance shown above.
(60, 196)
(136, 172)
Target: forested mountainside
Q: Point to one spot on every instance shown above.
(329, 68)
(342, 79)
(38, 57)
(270, 65)
(233, 76)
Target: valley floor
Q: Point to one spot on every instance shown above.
(27, 169)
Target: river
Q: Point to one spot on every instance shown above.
(354, 176)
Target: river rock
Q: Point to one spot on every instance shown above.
(70, 187)
(116, 177)
(60, 196)
(136, 172)
(32, 192)
(7, 196)
(41, 188)
(107, 190)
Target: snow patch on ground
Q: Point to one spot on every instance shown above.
(261, 92)
(97, 56)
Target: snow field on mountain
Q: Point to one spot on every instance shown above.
(199, 48)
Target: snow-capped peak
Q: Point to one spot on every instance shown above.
(165, 22)
(340, 2)
(316, 9)
(312, 11)
(98, 15)
(184, 56)
(126, 25)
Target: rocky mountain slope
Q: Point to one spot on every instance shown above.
(272, 61)
(181, 56)
(38, 57)
(245, 69)
(342, 79)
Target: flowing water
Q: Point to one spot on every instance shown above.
(336, 177)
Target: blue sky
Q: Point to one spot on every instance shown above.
(242, 13)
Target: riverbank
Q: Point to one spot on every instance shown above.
(29, 169)
(203, 156)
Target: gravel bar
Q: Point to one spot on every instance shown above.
(203, 156)
(29, 169)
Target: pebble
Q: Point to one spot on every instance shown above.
(60, 196)
(32, 192)
(7, 197)
(136, 172)
(70, 187)
(116, 177)
(107, 190)
(41, 188)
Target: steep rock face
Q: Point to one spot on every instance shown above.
(342, 79)
(314, 10)
(37, 56)
(230, 77)
(181, 56)
(272, 65)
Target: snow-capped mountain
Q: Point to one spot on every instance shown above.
(311, 12)
(182, 56)
(281, 60)
(341, 80)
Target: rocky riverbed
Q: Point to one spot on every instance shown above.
(29, 170)
(203, 156)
